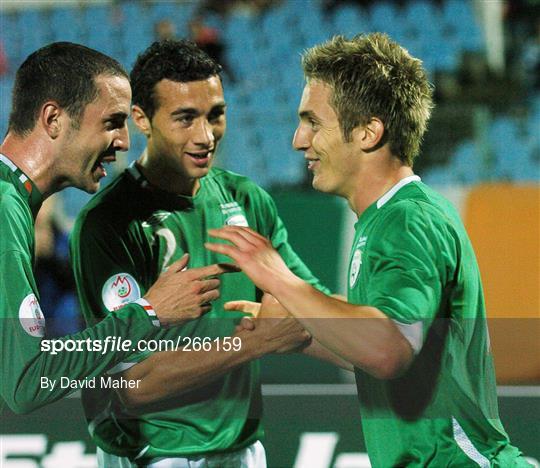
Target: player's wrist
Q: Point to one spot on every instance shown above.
(150, 311)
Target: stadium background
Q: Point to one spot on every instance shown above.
(482, 151)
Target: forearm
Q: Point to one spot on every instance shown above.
(318, 351)
(166, 374)
(361, 335)
(22, 385)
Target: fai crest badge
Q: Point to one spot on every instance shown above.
(31, 317)
(234, 216)
(119, 290)
(356, 262)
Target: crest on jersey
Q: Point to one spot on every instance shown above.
(156, 219)
(356, 262)
(234, 216)
(31, 316)
(119, 290)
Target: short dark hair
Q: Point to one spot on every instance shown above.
(176, 60)
(63, 72)
(373, 76)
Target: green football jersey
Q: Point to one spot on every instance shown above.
(123, 239)
(412, 259)
(36, 371)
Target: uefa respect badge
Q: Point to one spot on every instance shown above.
(119, 290)
(31, 317)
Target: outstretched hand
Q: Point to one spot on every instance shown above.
(181, 294)
(253, 253)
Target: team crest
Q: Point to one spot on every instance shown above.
(31, 316)
(356, 262)
(156, 219)
(119, 290)
(234, 214)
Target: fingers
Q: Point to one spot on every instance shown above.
(249, 234)
(222, 249)
(247, 307)
(236, 237)
(209, 296)
(180, 264)
(208, 285)
(247, 323)
(214, 270)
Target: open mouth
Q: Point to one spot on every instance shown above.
(99, 165)
(200, 159)
(312, 164)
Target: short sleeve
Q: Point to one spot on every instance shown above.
(404, 278)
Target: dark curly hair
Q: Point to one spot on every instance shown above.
(179, 61)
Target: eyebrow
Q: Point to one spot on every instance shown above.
(193, 111)
(116, 116)
(307, 114)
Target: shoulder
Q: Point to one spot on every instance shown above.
(238, 185)
(418, 216)
(15, 220)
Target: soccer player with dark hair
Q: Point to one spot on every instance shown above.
(414, 326)
(70, 105)
(199, 407)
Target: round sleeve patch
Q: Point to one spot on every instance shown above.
(31, 316)
(119, 290)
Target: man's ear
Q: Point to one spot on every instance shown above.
(50, 118)
(141, 120)
(371, 135)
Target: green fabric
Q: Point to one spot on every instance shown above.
(417, 266)
(22, 323)
(131, 228)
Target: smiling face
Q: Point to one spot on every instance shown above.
(185, 130)
(332, 161)
(101, 131)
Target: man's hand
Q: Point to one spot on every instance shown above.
(181, 295)
(253, 253)
(272, 325)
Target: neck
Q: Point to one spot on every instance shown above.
(32, 156)
(375, 180)
(162, 177)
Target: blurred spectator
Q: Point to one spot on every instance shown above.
(3, 61)
(164, 30)
(209, 40)
(53, 273)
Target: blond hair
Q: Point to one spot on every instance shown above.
(373, 76)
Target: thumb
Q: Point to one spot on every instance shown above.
(247, 323)
(247, 307)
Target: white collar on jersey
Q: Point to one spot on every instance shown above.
(388, 195)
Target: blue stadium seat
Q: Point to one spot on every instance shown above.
(383, 19)
(6, 86)
(65, 24)
(350, 20)
(33, 31)
(467, 163)
(98, 22)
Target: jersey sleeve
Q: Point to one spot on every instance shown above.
(28, 358)
(276, 231)
(403, 259)
(107, 272)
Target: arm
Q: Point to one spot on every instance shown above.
(362, 335)
(183, 370)
(25, 358)
(271, 308)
